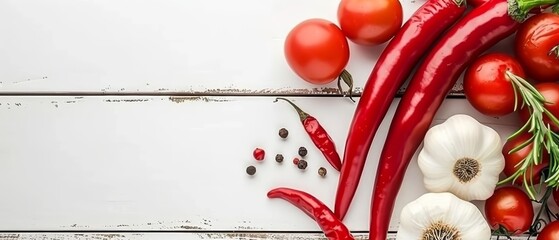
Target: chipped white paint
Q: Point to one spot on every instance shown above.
(171, 46)
(155, 163)
(180, 236)
(167, 163)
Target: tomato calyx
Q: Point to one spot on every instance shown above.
(346, 77)
(501, 231)
(543, 138)
(554, 52)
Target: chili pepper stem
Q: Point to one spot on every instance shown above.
(460, 2)
(554, 52)
(302, 114)
(348, 80)
(555, 9)
(518, 9)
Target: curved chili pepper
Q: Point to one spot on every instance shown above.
(333, 228)
(318, 135)
(476, 32)
(391, 70)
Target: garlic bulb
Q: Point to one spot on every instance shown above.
(442, 216)
(461, 156)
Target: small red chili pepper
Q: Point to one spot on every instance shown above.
(333, 228)
(258, 154)
(319, 136)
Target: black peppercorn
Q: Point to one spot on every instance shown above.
(302, 151)
(251, 170)
(283, 133)
(279, 158)
(302, 164)
(322, 171)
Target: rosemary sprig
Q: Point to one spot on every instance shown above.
(543, 138)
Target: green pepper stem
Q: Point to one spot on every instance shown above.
(518, 9)
(302, 114)
(348, 80)
(554, 52)
(460, 3)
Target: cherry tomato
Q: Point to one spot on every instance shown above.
(486, 86)
(370, 22)
(317, 50)
(549, 232)
(550, 92)
(534, 42)
(512, 159)
(510, 208)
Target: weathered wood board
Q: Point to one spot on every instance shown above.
(160, 163)
(136, 119)
(163, 47)
(180, 236)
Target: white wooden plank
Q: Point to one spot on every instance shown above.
(160, 163)
(166, 236)
(170, 46)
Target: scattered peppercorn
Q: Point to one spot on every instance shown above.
(251, 170)
(279, 158)
(258, 154)
(283, 133)
(322, 171)
(302, 151)
(296, 161)
(302, 164)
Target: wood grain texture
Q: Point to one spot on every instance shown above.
(180, 236)
(218, 47)
(161, 163)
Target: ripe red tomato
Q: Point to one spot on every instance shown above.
(486, 86)
(317, 50)
(534, 41)
(511, 160)
(549, 232)
(510, 208)
(550, 92)
(370, 22)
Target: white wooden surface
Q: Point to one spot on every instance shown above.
(77, 155)
(170, 46)
(137, 163)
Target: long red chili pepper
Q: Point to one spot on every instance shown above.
(476, 32)
(391, 70)
(332, 227)
(319, 136)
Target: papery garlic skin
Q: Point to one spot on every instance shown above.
(442, 208)
(461, 137)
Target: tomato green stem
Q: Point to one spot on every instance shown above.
(554, 52)
(538, 220)
(518, 9)
(348, 80)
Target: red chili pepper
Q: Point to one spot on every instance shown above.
(391, 70)
(319, 136)
(333, 228)
(476, 32)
